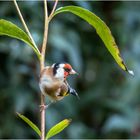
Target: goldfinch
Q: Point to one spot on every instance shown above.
(53, 81)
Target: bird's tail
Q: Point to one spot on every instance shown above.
(73, 92)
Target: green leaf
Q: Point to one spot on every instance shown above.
(30, 123)
(9, 29)
(101, 28)
(58, 128)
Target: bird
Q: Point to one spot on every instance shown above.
(53, 81)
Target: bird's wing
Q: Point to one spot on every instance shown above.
(64, 90)
(71, 90)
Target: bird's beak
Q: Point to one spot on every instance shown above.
(73, 72)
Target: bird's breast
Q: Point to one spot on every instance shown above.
(49, 83)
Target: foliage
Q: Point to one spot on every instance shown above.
(58, 128)
(52, 132)
(10, 29)
(109, 98)
(30, 123)
(101, 28)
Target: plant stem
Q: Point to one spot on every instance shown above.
(43, 50)
(46, 24)
(42, 61)
(24, 24)
(54, 7)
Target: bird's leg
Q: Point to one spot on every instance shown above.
(45, 106)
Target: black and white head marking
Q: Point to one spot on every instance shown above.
(55, 67)
(58, 70)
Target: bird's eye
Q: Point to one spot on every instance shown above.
(67, 69)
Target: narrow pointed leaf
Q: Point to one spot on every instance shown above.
(58, 128)
(30, 123)
(9, 29)
(101, 28)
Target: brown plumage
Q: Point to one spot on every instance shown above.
(53, 81)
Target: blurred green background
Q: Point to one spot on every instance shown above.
(109, 105)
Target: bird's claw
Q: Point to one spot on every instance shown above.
(43, 107)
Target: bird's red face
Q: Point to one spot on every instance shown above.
(62, 70)
(68, 70)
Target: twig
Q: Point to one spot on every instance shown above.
(54, 7)
(43, 50)
(42, 61)
(42, 117)
(24, 24)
